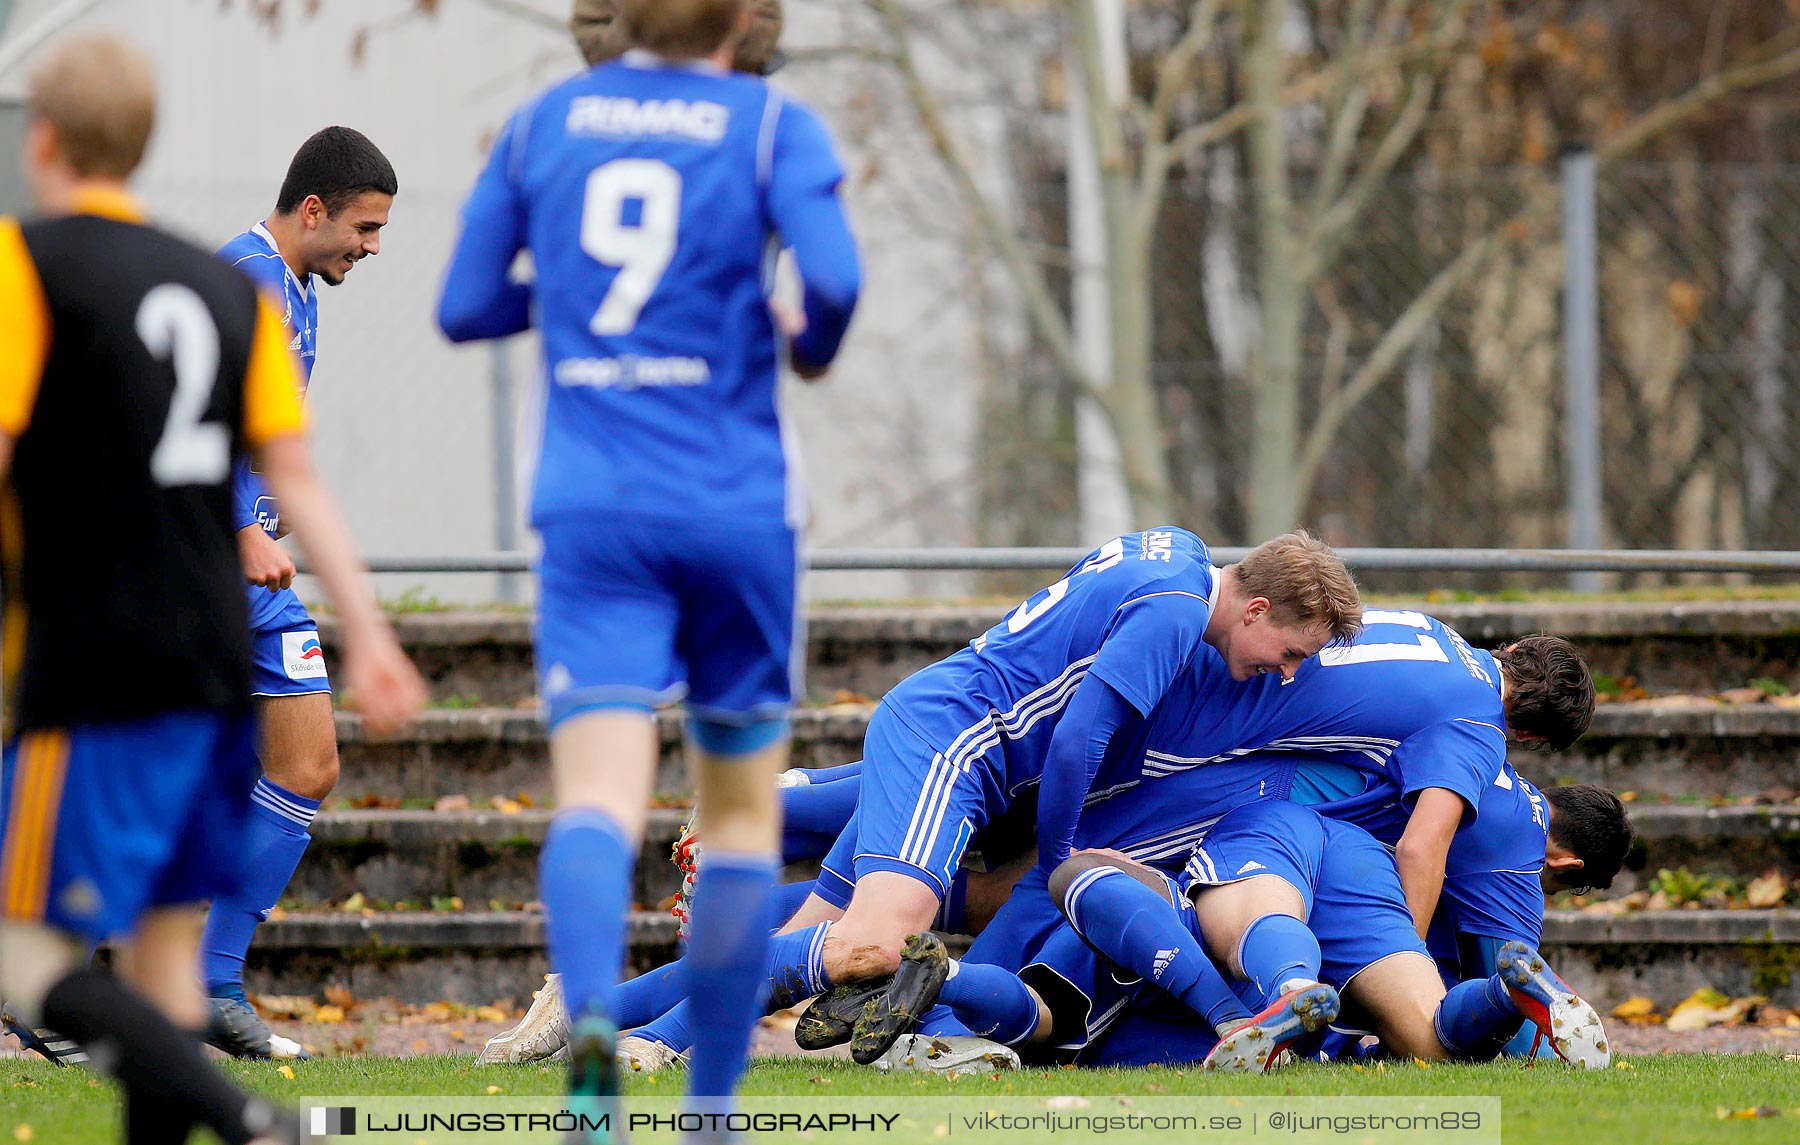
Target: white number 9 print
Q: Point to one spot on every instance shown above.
(641, 251)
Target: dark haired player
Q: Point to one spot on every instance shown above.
(327, 218)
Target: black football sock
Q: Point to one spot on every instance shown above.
(129, 1039)
(155, 1119)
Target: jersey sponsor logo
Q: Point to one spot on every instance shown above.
(1252, 865)
(631, 372)
(1164, 958)
(1157, 547)
(602, 115)
(301, 656)
(268, 515)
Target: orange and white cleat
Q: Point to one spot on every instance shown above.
(1255, 1046)
(1562, 1016)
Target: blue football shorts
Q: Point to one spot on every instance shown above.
(1354, 903)
(285, 656)
(636, 613)
(100, 823)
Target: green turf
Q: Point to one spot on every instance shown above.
(1674, 1098)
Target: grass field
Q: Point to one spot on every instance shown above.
(1673, 1098)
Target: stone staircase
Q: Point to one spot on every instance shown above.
(446, 908)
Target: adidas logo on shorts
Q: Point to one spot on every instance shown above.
(1252, 865)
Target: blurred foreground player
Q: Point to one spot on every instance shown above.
(328, 217)
(134, 368)
(601, 35)
(654, 192)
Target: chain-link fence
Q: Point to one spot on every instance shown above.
(1461, 442)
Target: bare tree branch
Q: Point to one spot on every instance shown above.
(1040, 307)
(1326, 237)
(1780, 57)
(1347, 117)
(1172, 74)
(519, 9)
(1312, 86)
(1171, 78)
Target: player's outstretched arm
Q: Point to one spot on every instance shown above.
(479, 297)
(803, 199)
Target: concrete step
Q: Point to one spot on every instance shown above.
(483, 752)
(484, 657)
(480, 957)
(1689, 747)
(483, 855)
(470, 958)
(478, 856)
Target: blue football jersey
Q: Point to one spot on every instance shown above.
(1491, 883)
(654, 198)
(255, 253)
(1405, 674)
(1133, 613)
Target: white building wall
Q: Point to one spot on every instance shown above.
(404, 421)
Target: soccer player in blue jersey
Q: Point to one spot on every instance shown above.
(1301, 909)
(1420, 719)
(328, 217)
(1038, 700)
(654, 193)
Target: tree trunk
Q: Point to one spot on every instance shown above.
(1099, 30)
(1275, 368)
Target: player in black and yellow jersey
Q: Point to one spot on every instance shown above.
(133, 369)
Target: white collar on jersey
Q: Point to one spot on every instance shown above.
(1212, 594)
(303, 285)
(639, 58)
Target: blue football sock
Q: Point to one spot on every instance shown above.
(671, 1027)
(789, 898)
(797, 965)
(584, 879)
(813, 814)
(821, 775)
(1278, 948)
(727, 963)
(941, 1022)
(274, 840)
(646, 997)
(991, 1002)
(1141, 931)
(1476, 1019)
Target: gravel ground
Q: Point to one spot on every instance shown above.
(417, 1034)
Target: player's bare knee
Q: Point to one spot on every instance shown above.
(309, 774)
(850, 958)
(1076, 865)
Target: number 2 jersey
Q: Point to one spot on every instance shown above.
(654, 198)
(134, 368)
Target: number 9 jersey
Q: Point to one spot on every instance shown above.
(654, 198)
(133, 369)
